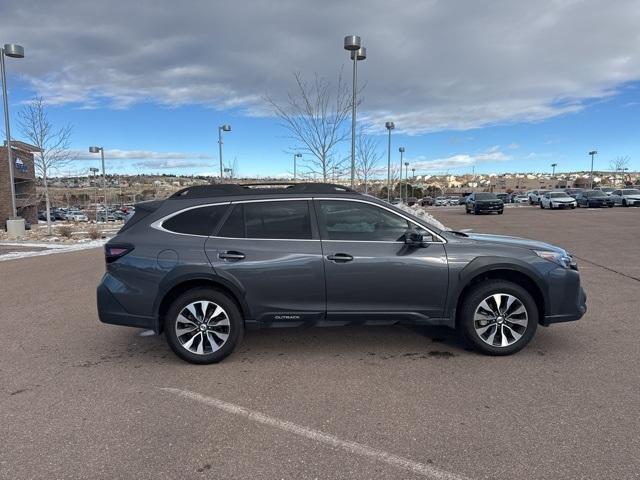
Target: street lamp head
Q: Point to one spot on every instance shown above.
(593, 152)
(406, 164)
(298, 155)
(95, 149)
(13, 50)
(225, 128)
(361, 53)
(352, 42)
(389, 125)
(401, 149)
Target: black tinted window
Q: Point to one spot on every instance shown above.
(340, 220)
(278, 220)
(196, 221)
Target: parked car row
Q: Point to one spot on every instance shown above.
(75, 214)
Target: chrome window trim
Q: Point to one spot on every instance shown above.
(433, 234)
(157, 225)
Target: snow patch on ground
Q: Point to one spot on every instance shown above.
(422, 214)
(47, 248)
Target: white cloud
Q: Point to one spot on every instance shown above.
(422, 164)
(116, 154)
(431, 65)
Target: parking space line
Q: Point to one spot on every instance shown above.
(428, 471)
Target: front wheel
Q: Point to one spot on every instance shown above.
(498, 317)
(203, 326)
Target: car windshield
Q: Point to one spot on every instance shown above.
(557, 195)
(631, 191)
(595, 193)
(607, 189)
(486, 196)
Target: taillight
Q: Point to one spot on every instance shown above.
(112, 252)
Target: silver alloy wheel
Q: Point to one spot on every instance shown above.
(202, 327)
(500, 320)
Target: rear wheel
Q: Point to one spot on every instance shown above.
(498, 317)
(203, 326)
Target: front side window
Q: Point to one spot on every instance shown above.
(196, 221)
(271, 220)
(344, 220)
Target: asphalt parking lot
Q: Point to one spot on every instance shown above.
(79, 399)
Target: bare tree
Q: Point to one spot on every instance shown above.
(53, 144)
(314, 113)
(619, 164)
(367, 158)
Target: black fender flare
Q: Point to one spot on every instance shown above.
(187, 273)
(480, 265)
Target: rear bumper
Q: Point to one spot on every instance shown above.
(112, 312)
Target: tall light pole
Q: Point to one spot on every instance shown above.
(95, 170)
(389, 126)
(295, 157)
(13, 51)
(401, 150)
(352, 43)
(592, 153)
(406, 182)
(554, 165)
(413, 179)
(222, 128)
(104, 178)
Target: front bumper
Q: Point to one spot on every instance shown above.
(567, 300)
(563, 205)
(112, 312)
(488, 208)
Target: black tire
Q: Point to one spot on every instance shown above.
(476, 211)
(541, 206)
(572, 207)
(624, 203)
(473, 299)
(500, 212)
(235, 329)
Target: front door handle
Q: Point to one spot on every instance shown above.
(340, 257)
(231, 255)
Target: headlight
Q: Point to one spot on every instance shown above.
(562, 259)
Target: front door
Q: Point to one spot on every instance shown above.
(371, 275)
(271, 251)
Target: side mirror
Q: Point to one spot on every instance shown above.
(415, 238)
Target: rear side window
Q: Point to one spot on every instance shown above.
(196, 221)
(274, 220)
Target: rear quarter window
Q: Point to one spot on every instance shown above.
(196, 221)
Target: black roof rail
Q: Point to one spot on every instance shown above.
(232, 189)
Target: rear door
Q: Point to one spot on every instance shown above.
(271, 251)
(371, 275)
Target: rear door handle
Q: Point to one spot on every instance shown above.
(340, 257)
(231, 255)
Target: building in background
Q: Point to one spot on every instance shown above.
(24, 177)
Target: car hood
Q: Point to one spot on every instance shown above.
(514, 241)
(563, 199)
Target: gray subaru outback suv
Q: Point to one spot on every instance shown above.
(210, 261)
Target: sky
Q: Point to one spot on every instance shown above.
(494, 86)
